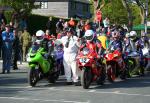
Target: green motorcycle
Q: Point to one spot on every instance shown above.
(40, 66)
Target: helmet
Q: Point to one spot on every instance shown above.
(115, 34)
(133, 35)
(143, 34)
(89, 35)
(127, 35)
(40, 35)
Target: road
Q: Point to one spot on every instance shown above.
(14, 88)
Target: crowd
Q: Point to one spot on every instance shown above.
(71, 33)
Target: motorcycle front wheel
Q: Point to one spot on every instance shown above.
(86, 77)
(32, 78)
(111, 73)
(130, 67)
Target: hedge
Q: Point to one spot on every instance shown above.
(36, 22)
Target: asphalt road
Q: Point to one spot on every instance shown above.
(14, 88)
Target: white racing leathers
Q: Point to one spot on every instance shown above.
(69, 60)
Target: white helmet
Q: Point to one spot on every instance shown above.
(40, 33)
(133, 34)
(89, 35)
(39, 36)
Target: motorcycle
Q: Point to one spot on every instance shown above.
(132, 63)
(91, 68)
(40, 66)
(58, 55)
(115, 65)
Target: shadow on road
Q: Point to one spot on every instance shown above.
(134, 82)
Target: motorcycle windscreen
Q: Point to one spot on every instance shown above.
(35, 48)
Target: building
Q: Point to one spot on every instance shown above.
(63, 8)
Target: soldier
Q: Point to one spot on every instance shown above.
(25, 40)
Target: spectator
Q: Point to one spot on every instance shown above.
(2, 17)
(7, 38)
(66, 25)
(3, 25)
(11, 26)
(59, 26)
(72, 23)
(25, 40)
(49, 25)
(87, 25)
(106, 23)
(15, 49)
(0, 43)
(80, 29)
(33, 39)
(47, 35)
(22, 24)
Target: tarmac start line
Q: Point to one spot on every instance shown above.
(88, 91)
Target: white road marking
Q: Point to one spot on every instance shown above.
(91, 90)
(44, 100)
(80, 91)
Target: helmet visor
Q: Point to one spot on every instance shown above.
(89, 37)
(39, 37)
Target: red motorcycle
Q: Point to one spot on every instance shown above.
(92, 68)
(115, 66)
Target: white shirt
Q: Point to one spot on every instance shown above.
(71, 52)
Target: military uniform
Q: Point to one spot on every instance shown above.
(25, 40)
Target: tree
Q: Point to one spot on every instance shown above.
(98, 5)
(129, 12)
(116, 12)
(21, 7)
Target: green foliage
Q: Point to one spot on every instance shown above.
(92, 9)
(116, 12)
(136, 14)
(8, 15)
(23, 7)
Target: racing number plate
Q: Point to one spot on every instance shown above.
(84, 60)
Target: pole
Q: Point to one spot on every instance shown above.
(146, 14)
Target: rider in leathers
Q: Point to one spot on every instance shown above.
(92, 43)
(44, 43)
(115, 44)
(135, 44)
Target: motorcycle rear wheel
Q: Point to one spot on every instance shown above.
(86, 78)
(32, 78)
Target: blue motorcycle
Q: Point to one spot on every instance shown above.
(58, 55)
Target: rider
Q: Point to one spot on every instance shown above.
(115, 44)
(92, 43)
(44, 43)
(137, 45)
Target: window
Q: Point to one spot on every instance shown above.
(44, 5)
(73, 5)
(85, 8)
